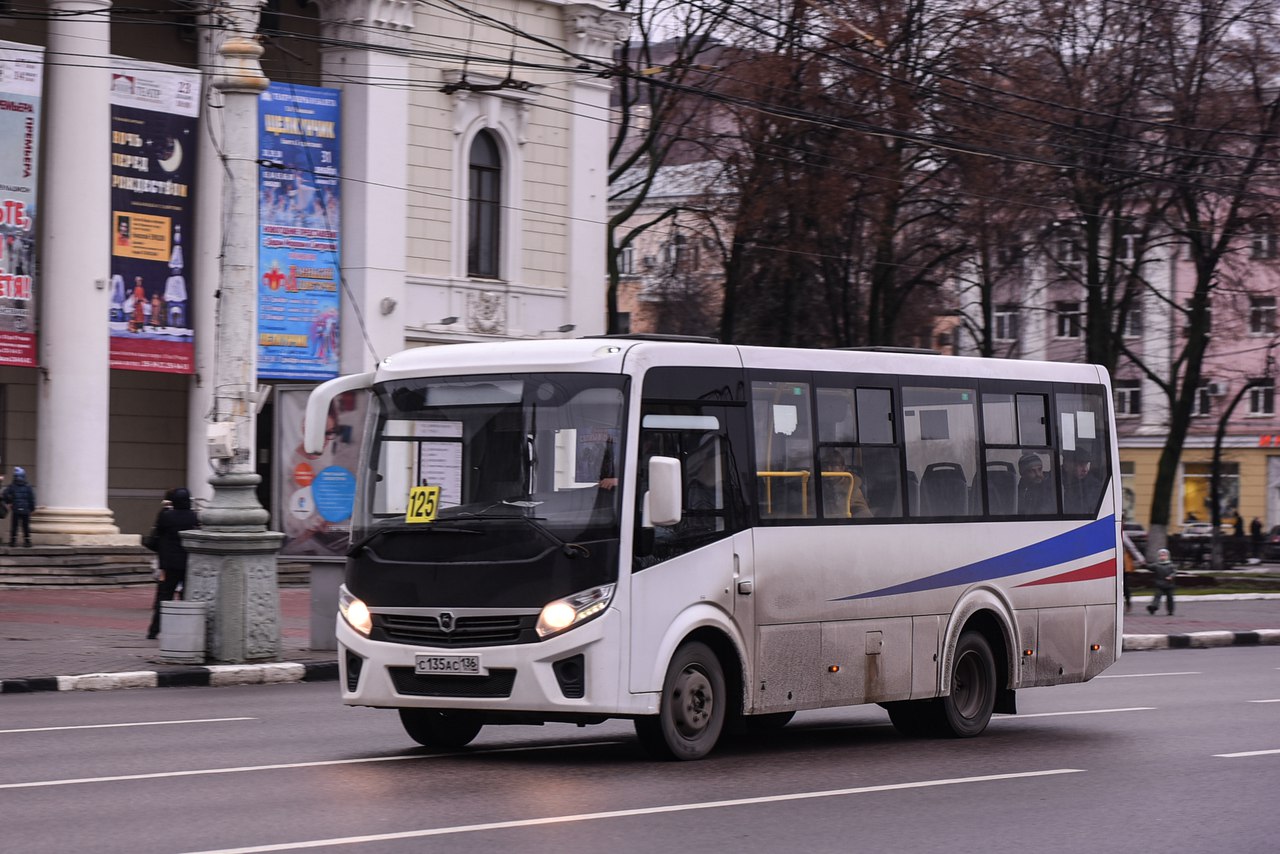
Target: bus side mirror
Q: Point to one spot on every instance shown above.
(315, 417)
(662, 503)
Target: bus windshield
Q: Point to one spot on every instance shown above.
(541, 449)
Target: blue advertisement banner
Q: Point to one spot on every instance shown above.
(299, 224)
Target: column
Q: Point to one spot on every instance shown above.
(363, 62)
(232, 564)
(75, 254)
(590, 31)
(205, 261)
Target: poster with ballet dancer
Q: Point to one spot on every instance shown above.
(300, 226)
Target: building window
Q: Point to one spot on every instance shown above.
(1262, 397)
(1068, 319)
(1262, 315)
(1127, 246)
(682, 254)
(1204, 398)
(1128, 397)
(1069, 249)
(1263, 241)
(627, 261)
(1005, 320)
(1197, 489)
(484, 207)
(1132, 326)
(1208, 317)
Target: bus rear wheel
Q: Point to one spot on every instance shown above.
(966, 711)
(440, 728)
(691, 712)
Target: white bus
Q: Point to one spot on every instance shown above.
(707, 538)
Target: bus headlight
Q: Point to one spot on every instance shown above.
(355, 612)
(571, 610)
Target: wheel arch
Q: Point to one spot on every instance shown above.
(987, 611)
(711, 626)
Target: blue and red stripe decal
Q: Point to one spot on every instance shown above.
(1094, 538)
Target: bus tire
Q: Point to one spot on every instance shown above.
(966, 710)
(440, 728)
(691, 711)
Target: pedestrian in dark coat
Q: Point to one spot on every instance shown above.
(170, 553)
(1163, 571)
(1255, 537)
(20, 498)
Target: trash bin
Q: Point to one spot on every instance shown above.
(182, 632)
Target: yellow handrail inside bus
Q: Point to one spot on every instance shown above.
(768, 491)
(848, 497)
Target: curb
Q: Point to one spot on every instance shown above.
(1201, 640)
(217, 675)
(214, 675)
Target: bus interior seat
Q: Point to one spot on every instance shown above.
(1002, 489)
(944, 490)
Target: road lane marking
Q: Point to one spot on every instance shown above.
(1140, 675)
(1264, 701)
(1078, 712)
(198, 772)
(1247, 753)
(114, 726)
(640, 811)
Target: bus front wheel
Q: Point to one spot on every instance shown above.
(691, 711)
(966, 711)
(440, 728)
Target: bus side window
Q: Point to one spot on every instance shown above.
(784, 450)
(941, 438)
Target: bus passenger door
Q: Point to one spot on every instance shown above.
(699, 570)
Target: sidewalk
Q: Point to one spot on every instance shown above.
(94, 639)
(48, 635)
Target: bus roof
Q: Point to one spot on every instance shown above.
(618, 354)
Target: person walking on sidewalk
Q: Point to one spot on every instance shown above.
(20, 498)
(170, 553)
(1163, 570)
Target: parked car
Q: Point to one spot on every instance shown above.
(1197, 530)
(1136, 533)
(1271, 545)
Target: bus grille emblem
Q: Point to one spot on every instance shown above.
(446, 622)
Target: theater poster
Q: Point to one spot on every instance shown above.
(154, 111)
(21, 71)
(298, 276)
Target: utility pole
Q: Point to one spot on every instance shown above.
(233, 555)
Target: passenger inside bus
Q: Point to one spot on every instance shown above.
(1035, 487)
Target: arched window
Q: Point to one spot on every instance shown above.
(484, 207)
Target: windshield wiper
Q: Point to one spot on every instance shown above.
(434, 526)
(570, 550)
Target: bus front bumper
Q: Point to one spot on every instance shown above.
(576, 672)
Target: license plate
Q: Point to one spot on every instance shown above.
(449, 665)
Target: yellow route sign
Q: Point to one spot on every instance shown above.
(423, 503)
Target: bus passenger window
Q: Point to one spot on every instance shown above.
(941, 441)
(784, 450)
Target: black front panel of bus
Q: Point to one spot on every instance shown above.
(391, 573)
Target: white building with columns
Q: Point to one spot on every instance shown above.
(507, 96)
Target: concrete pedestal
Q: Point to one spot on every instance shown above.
(326, 578)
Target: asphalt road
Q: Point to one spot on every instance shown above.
(1172, 751)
